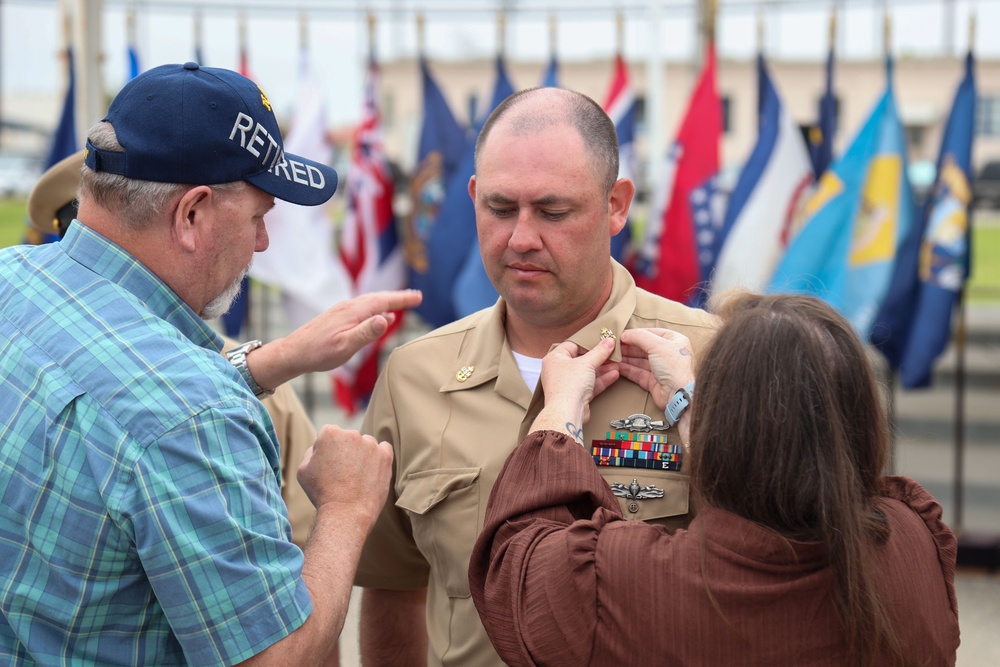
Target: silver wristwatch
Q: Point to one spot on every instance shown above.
(678, 404)
(238, 358)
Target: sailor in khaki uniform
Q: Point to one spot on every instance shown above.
(454, 403)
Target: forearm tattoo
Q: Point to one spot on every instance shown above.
(575, 431)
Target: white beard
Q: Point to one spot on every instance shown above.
(221, 304)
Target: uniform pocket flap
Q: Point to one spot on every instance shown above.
(425, 489)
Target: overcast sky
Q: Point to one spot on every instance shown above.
(338, 41)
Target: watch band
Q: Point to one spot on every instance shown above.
(678, 404)
(238, 358)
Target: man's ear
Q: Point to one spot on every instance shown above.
(191, 215)
(619, 202)
(472, 188)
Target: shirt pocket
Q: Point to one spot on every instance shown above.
(661, 498)
(443, 505)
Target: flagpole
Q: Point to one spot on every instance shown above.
(620, 33)
(553, 35)
(198, 54)
(371, 37)
(959, 411)
(656, 75)
(501, 33)
(420, 34)
(960, 335)
(90, 104)
(760, 32)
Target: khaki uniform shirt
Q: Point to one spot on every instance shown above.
(295, 435)
(453, 405)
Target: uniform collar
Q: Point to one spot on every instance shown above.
(485, 347)
(615, 314)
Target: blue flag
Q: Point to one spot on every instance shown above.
(64, 138)
(457, 284)
(821, 140)
(855, 222)
(133, 62)
(63, 142)
(444, 144)
(769, 192)
(619, 103)
(915, 323)
(550, 79)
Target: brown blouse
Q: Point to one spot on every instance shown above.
(559, 578)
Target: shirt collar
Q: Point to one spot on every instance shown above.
(113, 263)
(485, 345)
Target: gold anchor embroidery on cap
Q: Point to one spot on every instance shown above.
(607, 333)
(465, 373)
(263, 99)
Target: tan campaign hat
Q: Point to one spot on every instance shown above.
(55, 189)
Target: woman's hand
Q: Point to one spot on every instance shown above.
(658, 360)
(571, 378)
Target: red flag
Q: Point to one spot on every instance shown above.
(245, 64)
(668, 259)
(369, 247)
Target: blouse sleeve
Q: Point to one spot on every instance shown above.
(532, 569)
(928, 509)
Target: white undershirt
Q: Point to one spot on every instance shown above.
(530, 368)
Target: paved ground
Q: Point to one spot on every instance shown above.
(925, 449)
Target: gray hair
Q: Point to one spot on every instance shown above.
(575, 109)
(134, 201)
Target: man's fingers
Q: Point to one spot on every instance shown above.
(378, 302)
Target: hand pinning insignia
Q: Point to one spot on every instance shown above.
(639, 423)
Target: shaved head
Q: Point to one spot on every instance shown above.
(536, 110)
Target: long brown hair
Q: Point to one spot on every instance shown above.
(789, 431)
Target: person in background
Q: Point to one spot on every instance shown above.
(142, 518)
(52, 207)
(801, 552)
(454, 402)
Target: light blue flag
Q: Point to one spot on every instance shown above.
(855, 222)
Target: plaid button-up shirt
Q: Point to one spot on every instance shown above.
(141, 520)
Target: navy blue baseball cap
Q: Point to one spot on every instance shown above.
(206, 126)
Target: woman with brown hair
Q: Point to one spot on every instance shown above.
(801, 553)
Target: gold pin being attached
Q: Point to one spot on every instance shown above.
(465, 373)
(607, 333)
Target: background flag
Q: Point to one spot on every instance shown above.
(64, 139)
(914, 325)
(452, 241)
(369, 246)
(63, 142)
(855, 222)
(821, 138)
(300, 258)
(443, 144)
(668, 262)
(133, 62)
(550, 79)
(239, 313)
(619, 103)
(771, 187)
